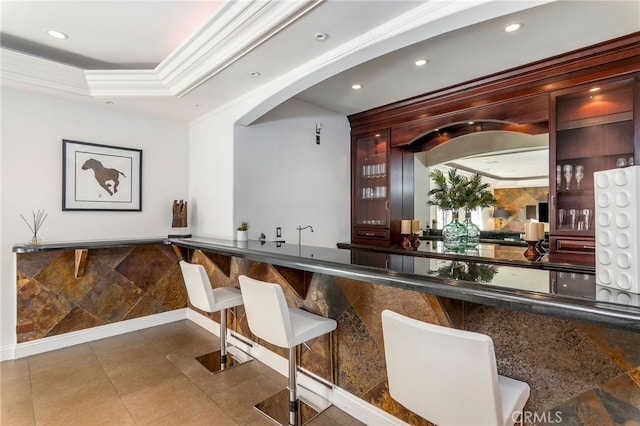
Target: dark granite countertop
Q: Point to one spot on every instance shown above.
(499, 254)
(495, 275)
(95, 244)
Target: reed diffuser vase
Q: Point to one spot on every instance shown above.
(35, 225)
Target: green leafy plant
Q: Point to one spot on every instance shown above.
(448, 191)
(467, 271)
(454, 191)
(244, 226)
(476, 194)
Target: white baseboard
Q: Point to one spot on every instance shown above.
(7, 353)
(205, 322)
(45, 344)
(367, 413)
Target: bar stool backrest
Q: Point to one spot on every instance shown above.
(445, 375)
(198, 286)
(267, 311)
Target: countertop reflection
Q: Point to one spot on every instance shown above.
(494, 275)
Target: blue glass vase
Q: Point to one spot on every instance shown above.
(454, 234)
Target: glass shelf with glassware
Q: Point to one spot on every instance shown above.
(575, 219)
(592, 128)
(575, 175)
(374, 171)
(370, 187)
(374, 193)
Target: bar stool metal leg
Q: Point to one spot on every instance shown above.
(285, 407)
(293, 368)
(223, 339)
(218, 361)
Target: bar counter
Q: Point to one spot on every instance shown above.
(494, 275)
(580, 355)
(577, 353)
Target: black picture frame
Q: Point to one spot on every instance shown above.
(99, 177)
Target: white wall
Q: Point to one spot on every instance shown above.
(283, 178)
(33, 126)
(211, 165)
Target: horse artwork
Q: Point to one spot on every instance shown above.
(105, 177)
(114, 185)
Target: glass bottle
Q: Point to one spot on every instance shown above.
(473, 231)
(454, 234)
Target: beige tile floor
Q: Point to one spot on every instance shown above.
(146, 377)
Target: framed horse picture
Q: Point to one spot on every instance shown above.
(101, 177)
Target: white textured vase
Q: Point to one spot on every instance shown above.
(242, 235)
(617, 193)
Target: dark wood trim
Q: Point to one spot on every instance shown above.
(496, 94)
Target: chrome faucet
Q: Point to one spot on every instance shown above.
(300, 229)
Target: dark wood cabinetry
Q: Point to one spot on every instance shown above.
(588, 129)
(381, 188)
(592, 128)
(370, 188)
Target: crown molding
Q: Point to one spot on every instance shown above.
(24, 69)
(234, 30)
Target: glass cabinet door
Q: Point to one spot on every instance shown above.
(371, 189)
(594, 132)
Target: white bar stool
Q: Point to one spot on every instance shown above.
(272, 320)
(208, 299)
(448, 376)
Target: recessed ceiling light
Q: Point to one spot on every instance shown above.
(57, 34)
(254, 74)
(421, 62)
(357, 86)
(513, 27)
(321, 36)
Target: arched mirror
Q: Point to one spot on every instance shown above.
(514, 164)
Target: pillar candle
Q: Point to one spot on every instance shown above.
(531, 231)
(541, 231)
(405, 227)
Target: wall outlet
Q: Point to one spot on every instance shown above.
(278, 232)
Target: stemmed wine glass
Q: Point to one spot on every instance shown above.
(558, 176)
(579, 174)
(568, 171)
